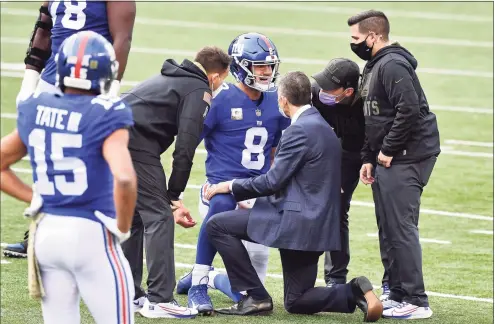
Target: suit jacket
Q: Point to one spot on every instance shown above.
(299, 202)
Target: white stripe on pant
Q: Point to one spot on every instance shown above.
(79, 257)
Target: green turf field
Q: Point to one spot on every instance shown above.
(453, 43)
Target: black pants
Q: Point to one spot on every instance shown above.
(336, 262)
(227, 229)
(397, 195)
(154, 223)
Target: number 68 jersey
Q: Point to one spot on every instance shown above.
(240, 133)
(64, 136)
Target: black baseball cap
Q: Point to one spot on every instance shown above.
(339, 73)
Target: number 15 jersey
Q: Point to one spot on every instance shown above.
(239, 134)
(64, 137)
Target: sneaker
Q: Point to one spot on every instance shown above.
(221, 282)
(198, 299)
(17, 250)
(166, 310)
(185, 283)
(385, 292)
(138, 303)
(389, 303)
(408, 311)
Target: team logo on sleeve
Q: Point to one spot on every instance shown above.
(236, 113)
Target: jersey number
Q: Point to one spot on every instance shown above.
(74, 17)
(252, 148)
(60, 163)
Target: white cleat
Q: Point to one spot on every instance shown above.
(138, 303)
(166, 310)
(408, 311)
(389, 303)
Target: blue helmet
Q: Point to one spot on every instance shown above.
(248, 50)
(86, 61)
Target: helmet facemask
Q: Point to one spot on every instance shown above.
(253, 81)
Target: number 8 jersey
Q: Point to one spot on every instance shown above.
(239, 134)
(64, 136)
(70, 17)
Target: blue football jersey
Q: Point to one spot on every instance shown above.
(239, 134)
(64, 136)
(70, 17)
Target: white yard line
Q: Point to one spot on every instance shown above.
(468, 143)
(4, 261)
(462, 109)
(421, 239)
(470, 154)
(348, 11)
(276, 30)
(289, 60)
(13, 70)
(353, 203)
(481, 232)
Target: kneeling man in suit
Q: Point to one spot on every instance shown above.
(298, 212)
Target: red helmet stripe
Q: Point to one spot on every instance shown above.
(80, 55)
(267, 42)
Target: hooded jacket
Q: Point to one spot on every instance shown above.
(172, 103)
(398, 120)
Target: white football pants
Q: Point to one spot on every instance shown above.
(81, 258)
(257, 253)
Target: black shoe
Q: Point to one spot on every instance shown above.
(248, 306)
(366, 300)
(17, 250)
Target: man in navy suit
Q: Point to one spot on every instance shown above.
(298, 212)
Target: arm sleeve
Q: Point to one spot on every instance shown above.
(289, 159)
(191, 116)
(118, 116)
(366, 154)
(399, 87)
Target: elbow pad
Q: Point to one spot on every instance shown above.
(36, 56)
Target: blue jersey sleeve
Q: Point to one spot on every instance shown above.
(118, 115)
(210, 121)
(282, 125)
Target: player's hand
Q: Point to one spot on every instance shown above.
(183, 217)
(384, 160)
(366, 174)
(219, 188)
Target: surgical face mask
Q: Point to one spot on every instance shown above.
(362, 50)
(328, 99)
(281, 110)
(215, 92)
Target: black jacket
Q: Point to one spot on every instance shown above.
(347, 120)
(172, 103)
(397, 116)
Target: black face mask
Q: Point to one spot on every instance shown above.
(362, 50)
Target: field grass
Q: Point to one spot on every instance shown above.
(460, 184)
